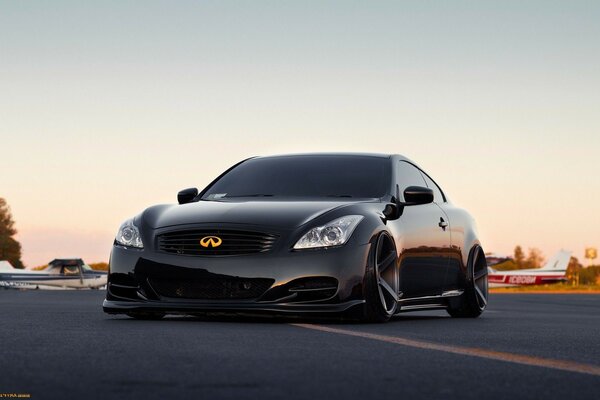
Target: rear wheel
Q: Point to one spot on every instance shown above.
(381, 281)
(475, 298)
(146, 315)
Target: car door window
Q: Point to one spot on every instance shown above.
(408, 175)
(438, 196)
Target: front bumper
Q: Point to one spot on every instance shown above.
(133, 275)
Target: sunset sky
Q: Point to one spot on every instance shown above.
(109, 107)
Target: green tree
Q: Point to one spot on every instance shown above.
(573, 271)
(519, 257)
(10, 249)
(535, 259)
(589, 275)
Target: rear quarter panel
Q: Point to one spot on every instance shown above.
(463, 236)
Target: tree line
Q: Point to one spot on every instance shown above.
(533, 259)
(10, 248)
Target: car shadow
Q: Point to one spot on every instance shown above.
(275, 319)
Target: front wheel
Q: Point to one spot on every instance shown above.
(381, 281)
(475, 298)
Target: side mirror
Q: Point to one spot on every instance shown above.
(415, 195)
(187, 195)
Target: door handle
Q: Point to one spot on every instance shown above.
(443, 224)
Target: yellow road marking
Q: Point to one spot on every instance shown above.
(467, 351)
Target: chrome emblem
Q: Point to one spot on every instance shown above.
(210, 241)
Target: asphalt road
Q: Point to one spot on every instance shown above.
(59, 344)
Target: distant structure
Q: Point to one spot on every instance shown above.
(554, 271)
(70, 273)
(591, 253)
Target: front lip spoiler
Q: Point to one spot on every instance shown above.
(121, 307)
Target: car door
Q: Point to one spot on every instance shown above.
(455, 271)
(422, 238)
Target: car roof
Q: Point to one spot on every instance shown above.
(329, 154)
(399, 157)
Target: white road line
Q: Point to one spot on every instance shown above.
(514, 358)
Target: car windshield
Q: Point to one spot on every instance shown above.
(305, 177)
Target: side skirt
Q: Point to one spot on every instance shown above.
(438, 302)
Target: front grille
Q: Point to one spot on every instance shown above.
(232, 242)
(212, 288)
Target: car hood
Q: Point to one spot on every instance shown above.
(283, 214)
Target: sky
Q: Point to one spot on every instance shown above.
(109, 107)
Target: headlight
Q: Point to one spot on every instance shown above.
(334, 233)
(129, 235)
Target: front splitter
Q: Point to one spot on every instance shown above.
(123, 307)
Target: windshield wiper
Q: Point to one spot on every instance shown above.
(339, 195)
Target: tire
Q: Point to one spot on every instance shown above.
(147, 316)
(381, 281)
(474, 300)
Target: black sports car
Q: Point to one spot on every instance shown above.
(362, 235)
